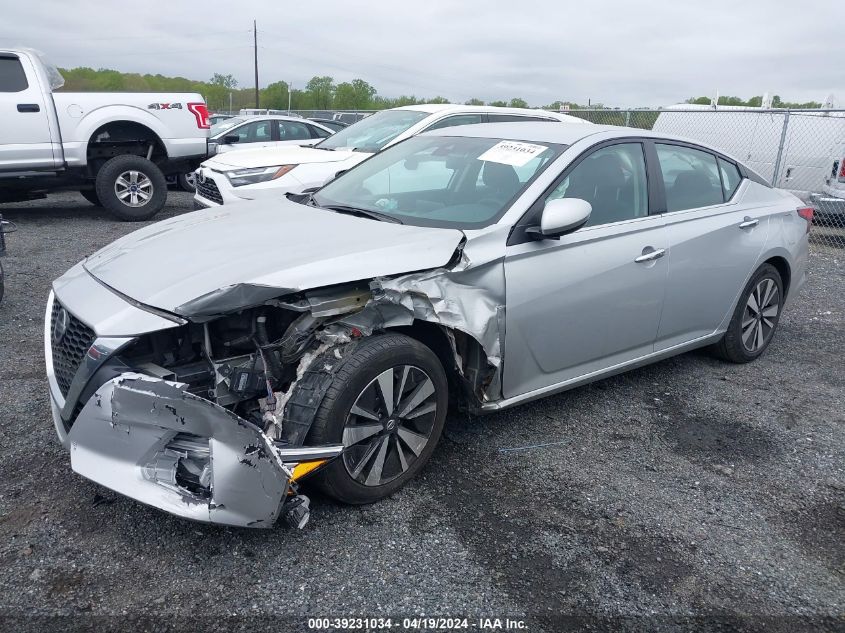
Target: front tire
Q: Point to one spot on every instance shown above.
(755, 318)
(187, 182)
(132, 188)
(387, 405)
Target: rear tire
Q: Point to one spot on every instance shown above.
(385, 446)
(91, 196)
(755, 318)
(132, 188)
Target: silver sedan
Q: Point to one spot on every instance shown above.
(215, 363)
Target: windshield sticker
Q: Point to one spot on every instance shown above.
(512, 153)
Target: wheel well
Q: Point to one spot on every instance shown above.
(783, 269)
(123, 137)
(465, 382)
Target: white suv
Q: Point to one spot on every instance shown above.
(250, 174)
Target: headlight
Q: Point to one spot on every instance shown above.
(241, 177)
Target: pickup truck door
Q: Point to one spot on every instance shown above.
(25, 139)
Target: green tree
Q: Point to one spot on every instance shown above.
(498, 104)
(322, 91)
(438, 99)
(226, 81)
(477, 102)
(518, 103)
(356, 95)
(275, 96)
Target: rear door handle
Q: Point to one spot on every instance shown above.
(747, 223)
(29, 107)
(651, 255)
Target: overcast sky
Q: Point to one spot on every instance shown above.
(617, 52)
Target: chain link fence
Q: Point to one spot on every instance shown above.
(802, 151)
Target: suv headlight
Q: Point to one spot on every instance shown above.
(241, 177)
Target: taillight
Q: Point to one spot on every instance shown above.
(200, 111)
(841, 176)
(807, 214)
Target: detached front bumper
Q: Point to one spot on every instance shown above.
(153, 441)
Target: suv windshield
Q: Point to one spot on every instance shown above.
(441, 181)
(224, 125)
(374, 132)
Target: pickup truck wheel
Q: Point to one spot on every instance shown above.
(187, 182)
(386, 403)
(91, 196)
(131, 187)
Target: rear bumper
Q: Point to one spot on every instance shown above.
(827, 205)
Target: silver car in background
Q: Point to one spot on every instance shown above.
(210, 363)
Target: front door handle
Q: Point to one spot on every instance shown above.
(748, 223)
(29, 107)
(651, 255)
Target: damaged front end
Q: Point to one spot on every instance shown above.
(207, 414)
(156, 442)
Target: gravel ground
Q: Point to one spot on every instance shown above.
(690, 494)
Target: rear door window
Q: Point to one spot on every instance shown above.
(12, 76)
(318, 132)
(514, 118)
(690, 177)
(293, 131)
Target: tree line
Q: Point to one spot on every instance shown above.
(222, 93)
(755, 102)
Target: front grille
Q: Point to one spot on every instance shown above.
(70, 349)
(209, 190)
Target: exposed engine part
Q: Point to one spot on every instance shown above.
(239, 378)
(299, 336)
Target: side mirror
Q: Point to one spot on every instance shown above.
(231, 138)
(561, 216)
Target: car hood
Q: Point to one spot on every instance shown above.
(222, 259)
(271, 156)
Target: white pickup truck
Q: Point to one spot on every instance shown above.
(116, 149)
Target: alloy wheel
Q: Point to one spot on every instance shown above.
(760, 316)
(389, 425)
(133, 188)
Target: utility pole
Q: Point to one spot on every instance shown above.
(290, 89)
(255, 50)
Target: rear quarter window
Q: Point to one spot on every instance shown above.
(12, 76)
(730, 178)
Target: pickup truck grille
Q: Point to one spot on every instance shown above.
(70, 348)
(209, 190)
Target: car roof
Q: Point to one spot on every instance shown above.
(438, 108)
(531, 131)
(550, 132)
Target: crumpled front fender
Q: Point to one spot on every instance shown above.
(129, 437)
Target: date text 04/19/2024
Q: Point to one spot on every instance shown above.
(418, 624)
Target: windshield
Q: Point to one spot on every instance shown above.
(442, 181)
(374, 132)
(225, 124)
